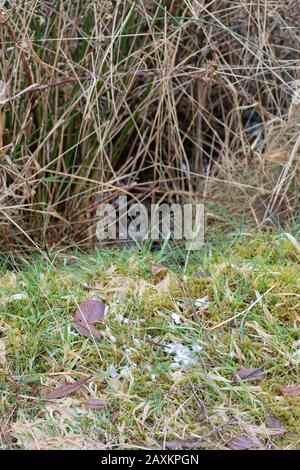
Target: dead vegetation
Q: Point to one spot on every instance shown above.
(185, 99)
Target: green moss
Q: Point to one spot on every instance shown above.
(149, 393)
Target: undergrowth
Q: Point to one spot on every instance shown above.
(155, 99)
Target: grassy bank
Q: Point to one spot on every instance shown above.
(172, 366)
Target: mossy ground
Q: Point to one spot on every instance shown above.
(149, 397)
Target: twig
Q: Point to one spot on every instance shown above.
(35, 87)
(27, 70)
(244, 312)
(210, 433)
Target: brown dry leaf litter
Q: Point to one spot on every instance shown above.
(253, 374)
(96, 403)
(65, 390)
(243, 443)
(157, 268)
(292, 391)
(89, 312)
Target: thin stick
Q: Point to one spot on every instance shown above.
(246, 311)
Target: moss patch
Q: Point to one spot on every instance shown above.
(246, 314)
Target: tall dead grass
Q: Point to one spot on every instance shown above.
(146, 98)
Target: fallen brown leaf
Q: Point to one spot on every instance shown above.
(87, 313)
(96, 404)
(242, 443)
(293, 391)
(157, 268)
(248, 374)
(65, 390)
(202, 274)
(176, 444)
(274, 423)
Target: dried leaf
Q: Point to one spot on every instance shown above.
(274, 423)
(65, 390)
(176, 444)
(89, 332)
(253, 374)
(89, 312)
(157, 268)
(202, 274)
(96, 404)
(242, 443)
(164, 284)
(293, 391)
